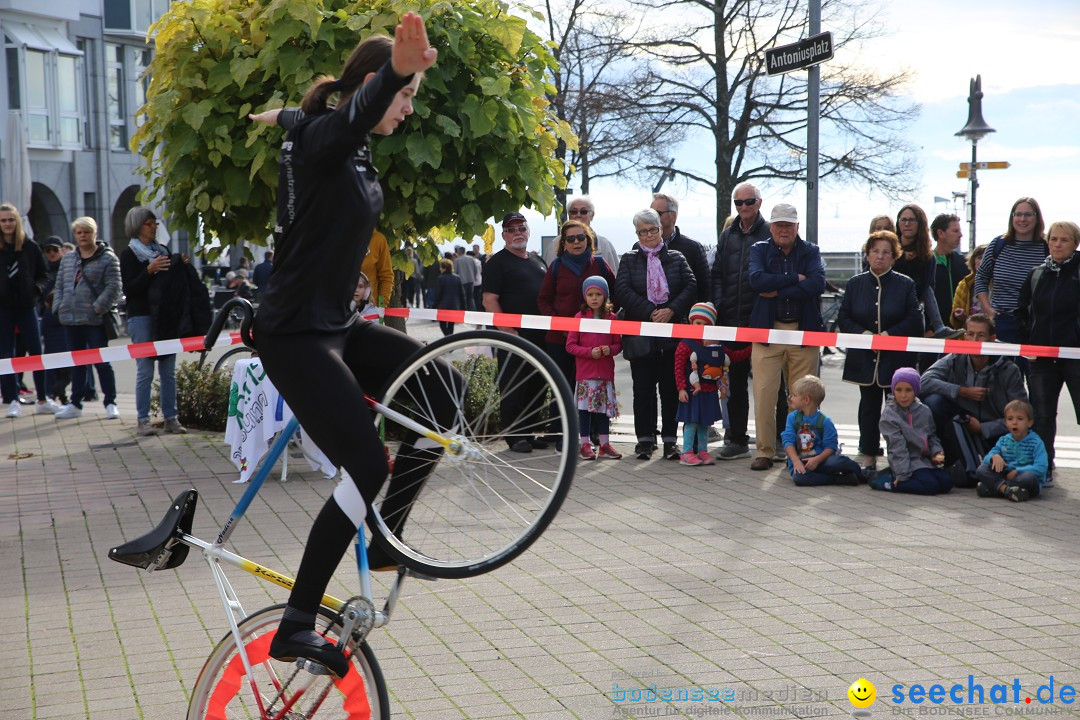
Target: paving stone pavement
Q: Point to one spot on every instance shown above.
(751, 596)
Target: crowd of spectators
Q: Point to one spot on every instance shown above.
(1024, 286)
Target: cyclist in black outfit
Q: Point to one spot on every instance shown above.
(313, 346)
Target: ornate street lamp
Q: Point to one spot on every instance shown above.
(975, 130)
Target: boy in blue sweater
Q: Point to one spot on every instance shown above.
(1016, 467)
(810, 442)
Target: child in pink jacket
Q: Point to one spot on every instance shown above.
(595, 355)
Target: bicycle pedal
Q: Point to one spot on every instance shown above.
(312, 667)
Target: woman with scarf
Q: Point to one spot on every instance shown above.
(560, 295)
(141, 266)
(1049, 314)
(654, 284)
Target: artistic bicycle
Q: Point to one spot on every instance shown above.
(480, 507)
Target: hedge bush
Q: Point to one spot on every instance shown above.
(202, 396)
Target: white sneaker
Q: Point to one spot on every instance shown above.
(49, 407)
(15, 410)
(112, 412)
(68, 412)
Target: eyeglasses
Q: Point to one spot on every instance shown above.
(1023, 215)
(664, 212)
(646, 232)
(151, 222)
(574, 239)
(740, 203)
(908, 220)
(578, 211)
(515, 229)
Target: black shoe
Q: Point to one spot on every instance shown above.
(521, 446)
(379, 560)
(959, 475)
(1017, 493)
(984, 490)
(309, 645)
(850, 478)
(671, 452)
(644, 450)
(539, 443)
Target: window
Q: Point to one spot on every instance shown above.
(114, 96)
(141, 81)
(133, 16)
(86, 75)
(42, 71)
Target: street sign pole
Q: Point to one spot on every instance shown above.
(974, 189)
(813, 109)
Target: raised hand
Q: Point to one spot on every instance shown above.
(412, 53)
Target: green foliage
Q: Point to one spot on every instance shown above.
(481, 142)
(482, 397)
(202, 397)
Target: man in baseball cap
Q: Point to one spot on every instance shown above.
(788, 277)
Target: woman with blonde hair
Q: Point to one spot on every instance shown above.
(1049, 314)
(22, 279)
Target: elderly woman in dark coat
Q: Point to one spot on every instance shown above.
(654, 284)
(1049, 314)
(879, 301)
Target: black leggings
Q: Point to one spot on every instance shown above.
(320, 377)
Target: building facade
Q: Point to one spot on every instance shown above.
(74, 72)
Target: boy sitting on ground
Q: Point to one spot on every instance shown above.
(810, 440)
(1016, 467)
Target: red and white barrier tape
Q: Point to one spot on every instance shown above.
(111, 354)
(544, 322)
(722, 332)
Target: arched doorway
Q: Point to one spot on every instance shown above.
(47, 215)
(127, 200)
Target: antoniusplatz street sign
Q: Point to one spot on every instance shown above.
(811, 51)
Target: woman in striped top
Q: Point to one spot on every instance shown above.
(1007, 263)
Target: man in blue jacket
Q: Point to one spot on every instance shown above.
(788, 277)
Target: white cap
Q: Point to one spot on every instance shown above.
(784, 213)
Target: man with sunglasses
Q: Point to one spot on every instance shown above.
(734, 300)
(511, 283)
(668, 209)
(583, 210)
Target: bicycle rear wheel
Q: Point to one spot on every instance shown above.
(484, 503)
(223, 692)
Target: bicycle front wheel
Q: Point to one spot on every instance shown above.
(223, 691)
(477, 505)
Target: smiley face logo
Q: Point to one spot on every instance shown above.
(862, 693)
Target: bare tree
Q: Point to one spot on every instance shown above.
(599, 86)
(712, 78)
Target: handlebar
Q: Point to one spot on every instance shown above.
(247, 315)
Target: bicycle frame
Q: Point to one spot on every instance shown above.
(215, 554)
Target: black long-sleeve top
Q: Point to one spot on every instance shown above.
(329, 200)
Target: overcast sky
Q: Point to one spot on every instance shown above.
(1027, 55)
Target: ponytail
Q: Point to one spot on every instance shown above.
(368, 57)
